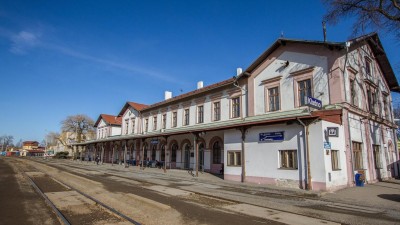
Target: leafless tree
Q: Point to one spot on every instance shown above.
(80, 125)
(19, 144)
(5, 141)
(377, 15)
(52, 138)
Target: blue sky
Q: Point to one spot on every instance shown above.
(60, 58)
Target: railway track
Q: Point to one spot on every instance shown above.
(73, 206)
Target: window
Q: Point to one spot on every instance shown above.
(164, 121)
(133, 125)
(235, 107)
(146, 125)
(174, 119)
(384, 113)
(200, 114)
(126, 126)
(357, 156)
(174, 148)
(155, 123)
(368, 67)
(371, 99)
(353, 92)
(304, 91)
(273, 99)
(377, 156)
(335, 159)
(288, 159)
(217, 111)
(216, 152)
(374, 100)
(234, 158)
(186, 117)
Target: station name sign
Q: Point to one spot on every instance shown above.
(271, 136)
(313, 102)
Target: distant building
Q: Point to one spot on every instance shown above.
(30, 145)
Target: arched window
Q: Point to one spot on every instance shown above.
(216, 152)
(163, 153)
(153, 152)
(145, 151)
(174, 148)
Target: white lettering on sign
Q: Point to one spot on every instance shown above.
(314, 102)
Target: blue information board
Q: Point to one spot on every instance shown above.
(271, 136)
(314, 103)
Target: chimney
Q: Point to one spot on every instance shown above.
(199, 84)
(238, 71)
(167, 95)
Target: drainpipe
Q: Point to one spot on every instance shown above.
(112, 157)
(125, 152)
(344, 70)
(351, 146)
(396, 168)
(306, 131)
(243, 158)
(102, 153)
(196, 149)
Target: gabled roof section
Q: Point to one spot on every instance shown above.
(30, 143)
(372, 39)
(109, 119)
(377, 48)
(136, 106)
(282, 42)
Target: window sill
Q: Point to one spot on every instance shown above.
(336, 170)
(287, 168)
(234, 165)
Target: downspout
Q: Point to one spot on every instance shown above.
(351, 147)
(243, 158)
(348, 119)
(396, 148)
(345, 71)
(308, 177)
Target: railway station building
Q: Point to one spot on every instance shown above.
(305, 114)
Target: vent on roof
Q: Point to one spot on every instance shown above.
(167, 95)
(199, 84)
(239, 71)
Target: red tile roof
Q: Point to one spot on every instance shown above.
(192, 93)
(109, 119)
(136, 106)
(30, 143)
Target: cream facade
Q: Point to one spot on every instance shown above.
(258, 126)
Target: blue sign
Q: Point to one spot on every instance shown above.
(327, 145)
(313, 102)
(272, 136)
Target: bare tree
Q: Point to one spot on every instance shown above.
(80, 125)
(377, 15)
(52, 138)
(5, 141)
(19, 144)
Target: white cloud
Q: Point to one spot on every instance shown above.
(23, 41)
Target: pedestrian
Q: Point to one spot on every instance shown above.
(97, 160)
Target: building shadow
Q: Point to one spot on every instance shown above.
(391, 197)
